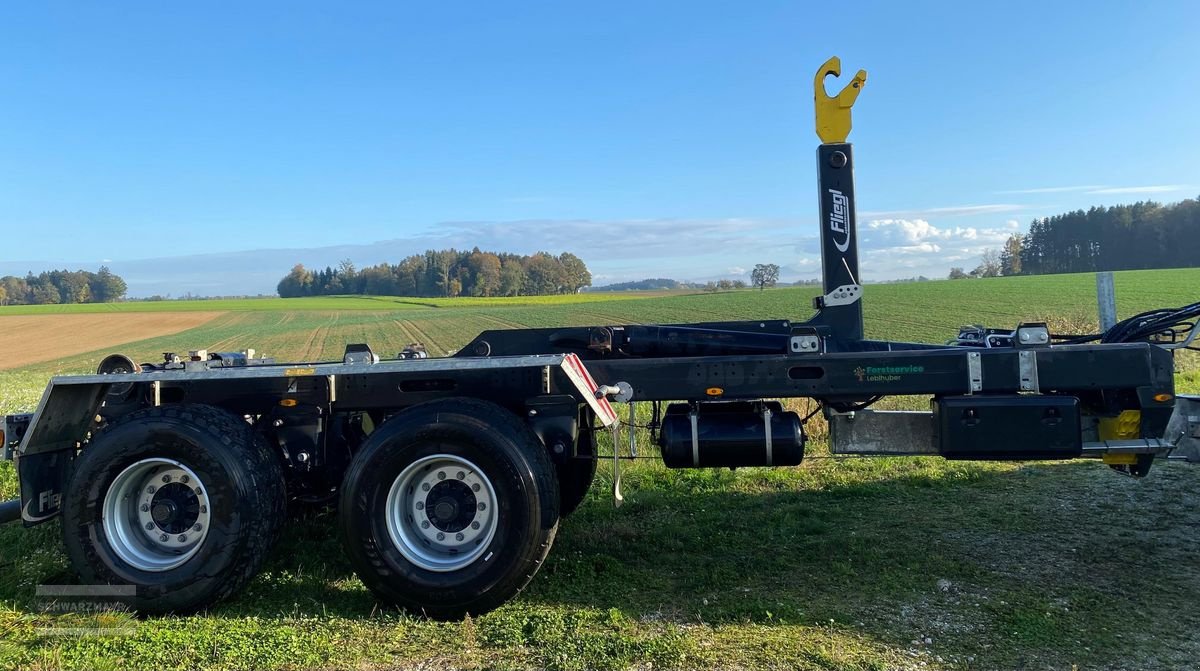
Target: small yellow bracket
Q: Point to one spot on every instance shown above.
(833, 114)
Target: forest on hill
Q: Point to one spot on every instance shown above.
(445, 273)
(1140, 236)
(1120, 237)
(62, 287)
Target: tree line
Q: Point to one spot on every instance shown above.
(62, 286)
(1119, 237)
(667, 284)
(445, 273)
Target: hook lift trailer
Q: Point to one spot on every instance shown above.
(451, 474)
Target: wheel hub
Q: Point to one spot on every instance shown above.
(440, 512)
(163, 512)
(175, 508)
(156, 514)
(452, 504)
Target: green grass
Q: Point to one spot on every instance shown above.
(318, 303)
(837, 564)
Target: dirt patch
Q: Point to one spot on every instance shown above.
(28, 339)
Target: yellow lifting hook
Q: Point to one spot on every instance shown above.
(833, 114)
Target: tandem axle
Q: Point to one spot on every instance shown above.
(451, 474)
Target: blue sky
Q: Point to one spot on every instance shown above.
(652, 139)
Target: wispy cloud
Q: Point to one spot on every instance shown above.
(1054, 189)
(615, 250)
(1101, 190)
(623, 239)
(954, 211)
(1157, 188)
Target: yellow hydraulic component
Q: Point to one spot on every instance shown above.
(1120, 459)
(833, 114)
(1126, 425)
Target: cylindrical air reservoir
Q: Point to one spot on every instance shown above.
(731, 434)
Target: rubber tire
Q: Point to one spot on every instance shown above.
(575, 476)
(245, 490)
(521, 472)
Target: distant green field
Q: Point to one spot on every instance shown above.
(870, 564)
(275, 304)
(311, 329)
(316, 329)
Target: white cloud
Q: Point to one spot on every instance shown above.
(635, 238)
(954, 211)
(1102, 189)
(1053, 189)
(615, 251)
(919, 234)
(1158, 188)
(901, 231)
(893, 248)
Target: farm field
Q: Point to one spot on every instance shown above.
(836, 564)
(320, 303)
(28, 339)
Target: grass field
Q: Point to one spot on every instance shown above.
(319, 303)
(837, 564)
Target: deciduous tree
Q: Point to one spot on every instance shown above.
(764, 275)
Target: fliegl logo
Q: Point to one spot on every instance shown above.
(839, 219)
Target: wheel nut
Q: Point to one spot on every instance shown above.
(460, 475)
(184, 479)
(204, 509)
(166, 478)
(163, 538)
(475, 487)
(182, 538)
(150, 489)
(149, 526)
(198, 527)
(482, 505)
(441, 475)
(458, 537)
(424, 525)
(474, 525)
(424, 486)
(145, 507)
(441, 536)
(420, 505)
(199, 492)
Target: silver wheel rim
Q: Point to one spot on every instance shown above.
(441, 512)
(156, 514)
